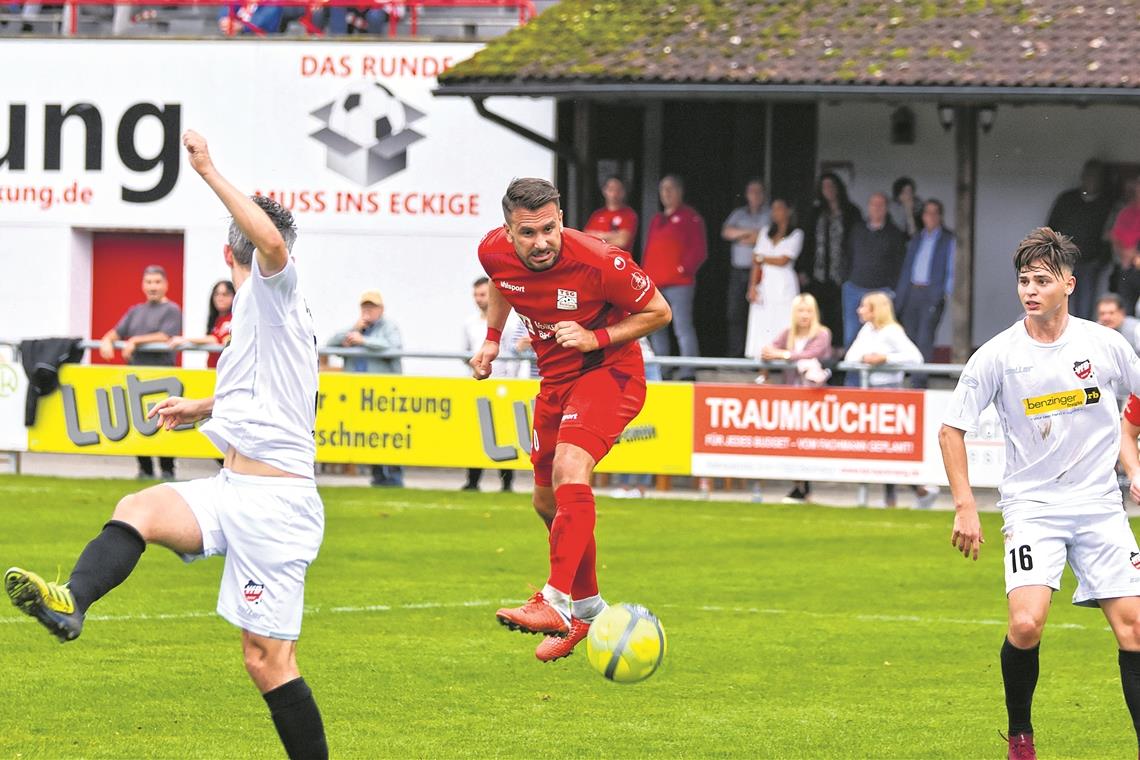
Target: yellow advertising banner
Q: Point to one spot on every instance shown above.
(364, 419)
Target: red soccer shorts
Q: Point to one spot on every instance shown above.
(590, 412)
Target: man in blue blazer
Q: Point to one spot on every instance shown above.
(926, 282)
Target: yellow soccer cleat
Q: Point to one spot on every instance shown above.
(50, 603)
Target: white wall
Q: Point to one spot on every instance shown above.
(1032, 154)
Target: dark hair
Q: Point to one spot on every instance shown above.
(899, 184)
(774, 228)
(755, 181)
(214, 313)
(1113, 299)
(841, 190)
(155, 269)
(1050, 249)
(481, 281)
(609, 179)
(530, 193)
(936, 202)
(282, 219)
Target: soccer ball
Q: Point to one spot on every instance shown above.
(367, 113)
(626, 643)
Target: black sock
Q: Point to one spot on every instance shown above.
(298, 720)
(1019, 669)
(105, 563)
(1130, 680)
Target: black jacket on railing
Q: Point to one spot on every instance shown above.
(42, 358)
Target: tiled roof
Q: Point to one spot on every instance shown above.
(958, 43)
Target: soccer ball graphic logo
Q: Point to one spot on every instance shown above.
(367, 113)
(626, 643)
(367, 132)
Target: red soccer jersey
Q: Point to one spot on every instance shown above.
(1132, 409)
(221, 333)
(592, 283)
(606, 220)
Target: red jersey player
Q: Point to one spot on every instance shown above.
(585, 305)
(615, 223)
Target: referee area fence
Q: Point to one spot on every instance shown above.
(706, 429)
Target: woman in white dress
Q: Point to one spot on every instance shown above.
(773, 283)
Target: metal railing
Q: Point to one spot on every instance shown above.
(693, 362)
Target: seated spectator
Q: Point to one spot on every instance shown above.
(773, 283)
(807, 343)
(217, 323)
(251, 18)
(882, 340)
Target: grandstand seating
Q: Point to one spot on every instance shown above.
(458, 20)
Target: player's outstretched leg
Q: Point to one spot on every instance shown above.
(104, 563)
(587, 605)
(272, 664)
(548, 611)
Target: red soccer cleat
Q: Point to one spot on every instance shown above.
(556, 647)
(536, 616)
(1021, 747)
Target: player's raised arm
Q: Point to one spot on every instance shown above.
(272, 253)
(967, 536)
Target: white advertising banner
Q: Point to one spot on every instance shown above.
(833, 434)
(13, 392)
(348, 135)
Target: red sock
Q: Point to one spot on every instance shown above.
(586, 579)
(571, 534)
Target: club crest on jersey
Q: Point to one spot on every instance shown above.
(1083, 369)
(567, 299)
(252, 591)
(1134, 558)
(639, 281)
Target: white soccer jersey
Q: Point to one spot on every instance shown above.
(265, 395)
(1061, 422)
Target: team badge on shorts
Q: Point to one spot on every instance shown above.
(567, 299)
(252, 591)
(1083, 369)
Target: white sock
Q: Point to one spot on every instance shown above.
(589, 608)
(559, 600)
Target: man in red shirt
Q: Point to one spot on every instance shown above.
(674, 250)
(615, 223)
(585, 305)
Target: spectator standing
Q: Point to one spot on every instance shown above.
(474, 332)
(1111, 312)
(675, 248)
(1125, 238)
(926, 283)
(807, 342)
(877, 249)
(905, 208)
(374, 332)
(882, 340)
(741, 229)
(615, 222)
(1081, 213)
(217, 323)
(821, 268)
(773, 283)
(155, 320)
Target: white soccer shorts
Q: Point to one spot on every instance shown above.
(1100, 548)
(269, 530)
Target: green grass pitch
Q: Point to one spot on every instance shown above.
(794, 632)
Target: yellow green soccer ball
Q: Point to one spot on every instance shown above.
(626, 643)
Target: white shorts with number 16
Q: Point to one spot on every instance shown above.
(1100, 548)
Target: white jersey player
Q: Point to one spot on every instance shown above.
(262, 511)
(1050, 376)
